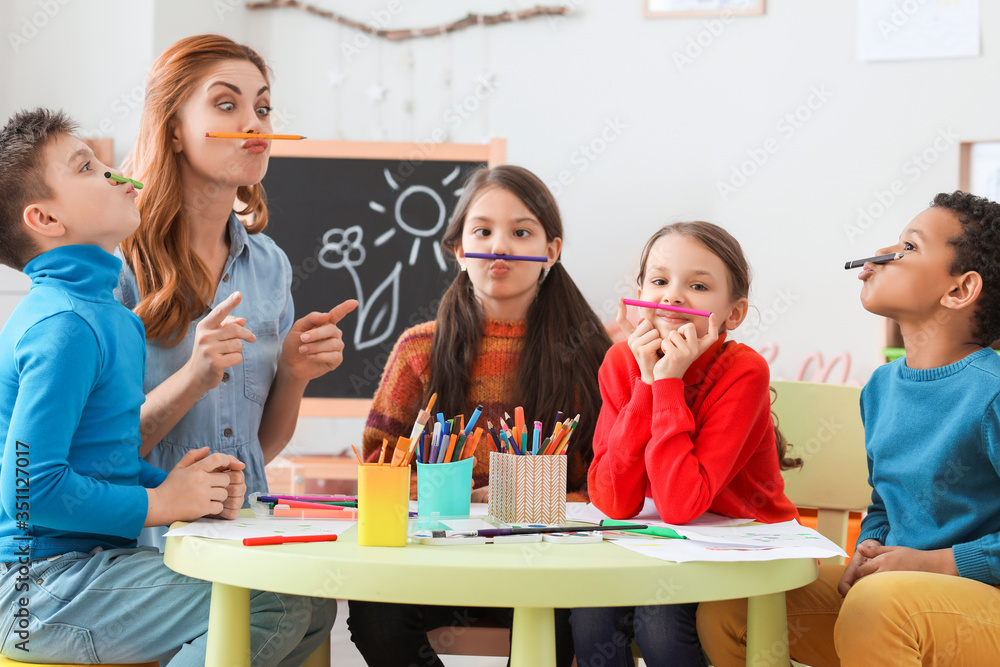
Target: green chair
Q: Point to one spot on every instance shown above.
(823, 424)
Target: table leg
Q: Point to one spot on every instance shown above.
(533, 637)
(767, 631)
(228, 627)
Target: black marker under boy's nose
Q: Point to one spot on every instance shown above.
(878, 259)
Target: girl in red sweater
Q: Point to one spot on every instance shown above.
(686, 420)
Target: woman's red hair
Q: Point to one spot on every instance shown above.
(175, 286)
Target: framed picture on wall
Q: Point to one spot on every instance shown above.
(979, 168)
(673, 8)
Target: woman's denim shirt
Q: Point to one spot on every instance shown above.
(227, 418)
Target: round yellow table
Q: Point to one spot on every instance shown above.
(532, 578)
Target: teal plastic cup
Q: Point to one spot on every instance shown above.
(444, 489)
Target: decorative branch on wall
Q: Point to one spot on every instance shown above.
(399, 35)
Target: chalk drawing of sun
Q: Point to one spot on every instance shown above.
(426, 228)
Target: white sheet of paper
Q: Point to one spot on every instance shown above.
(788, 534)
(648, 515)
(893, 30)
(238, 529)
(685, 551)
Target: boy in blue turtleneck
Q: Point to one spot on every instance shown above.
(923, 586)
(74, 492)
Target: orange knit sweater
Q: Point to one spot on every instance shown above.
(400, 394)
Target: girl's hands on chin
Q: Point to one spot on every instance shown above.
(644, 341)
(681, 347)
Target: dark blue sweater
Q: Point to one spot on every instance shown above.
(71, 368)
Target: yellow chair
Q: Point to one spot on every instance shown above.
(823, 423)
(10, 662)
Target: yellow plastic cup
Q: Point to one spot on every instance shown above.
(383, 505)
(444, 489)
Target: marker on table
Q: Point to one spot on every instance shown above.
(285, 539)
(658, 531)
(522, 258)
(878, 259)
(341, 513)
(122, 179)
(315, 504)
(252, 135)
(663, 306)
(527, 530)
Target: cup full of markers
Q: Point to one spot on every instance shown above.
(528, 470)
(446, 457)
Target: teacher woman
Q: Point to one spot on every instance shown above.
(227, 363)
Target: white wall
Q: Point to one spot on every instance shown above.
(558, 85)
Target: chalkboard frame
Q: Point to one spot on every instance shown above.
(493, 153)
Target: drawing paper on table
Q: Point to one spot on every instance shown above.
(221, 529)
(787, 534)
(686, 551)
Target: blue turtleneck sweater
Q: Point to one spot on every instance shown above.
(933, 441)
(71, 369)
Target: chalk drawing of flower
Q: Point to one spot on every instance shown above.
(342, 247)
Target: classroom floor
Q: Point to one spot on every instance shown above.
(344, 654)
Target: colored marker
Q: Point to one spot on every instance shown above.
(528, 530)
(521, 258)
(285, 539)
(122, 179)
(878, 259)
(315, 499)
(472, 420)
(493, 435)
(252, 135)
(329, 503)
(307, 504)
(658, 531)
(663, 306)
(343, 514)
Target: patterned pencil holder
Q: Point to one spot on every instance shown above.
(527, 489)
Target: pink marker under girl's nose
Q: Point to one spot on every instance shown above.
(663, 306)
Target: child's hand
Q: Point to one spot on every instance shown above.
(903, 559)
(851, 574)
(481, 495)
(315, 345)
(193, 489)
(644, 341)
(232, 505)
(681, 347)
(218, 344)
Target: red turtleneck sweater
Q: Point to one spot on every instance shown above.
(704, 443)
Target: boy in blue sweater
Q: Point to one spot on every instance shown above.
(74, 492)
(922, 586)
